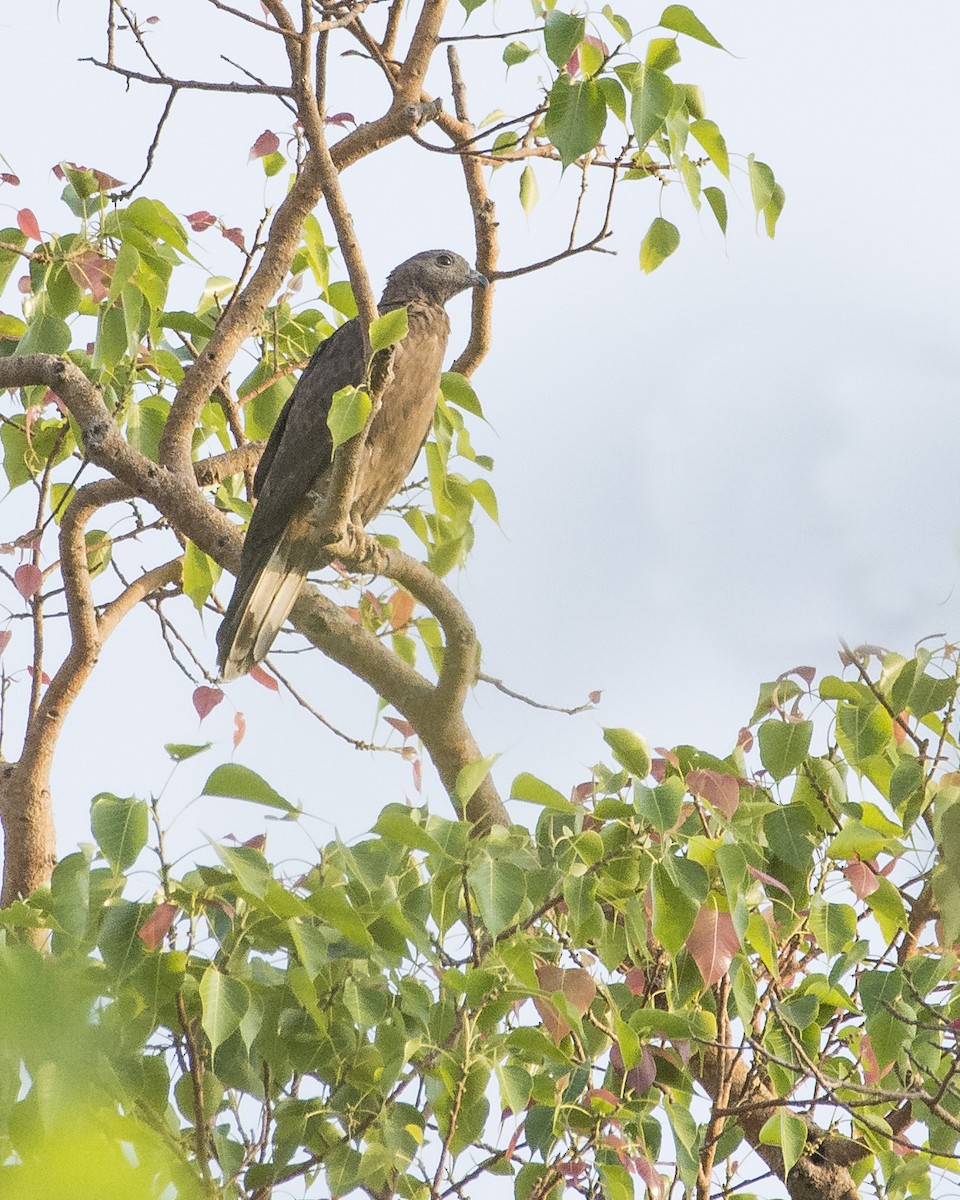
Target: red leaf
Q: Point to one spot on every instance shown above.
(9, 177)
(27, 224)
(342, 120)
(594, 697)
(206, 699)
(58, 171)
(719, 790)
(863, 881)
(27, 579)
(104, 181)
(745, 740)
(402, 605)
(235, 235)
(404, 728)
(576, 984)
(712, 943)
(418, 774)
(200, 220)
(265, 680)
(92, 273)
(5, 637)
(24, 286)
(44, 677)
(582, 792)
(239, 728)
(266, 143)
(156, 927)
(353, 614)
(257, 842)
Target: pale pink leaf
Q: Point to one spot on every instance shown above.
(860, 877)
(92, 273)
(206, 699)
(719, 790)
(235, 235)
(656, 1183)
(765, 878)
(5, 636)
(24, 285)
(342, 120)
(712, 943)
(636, 981)
(44, 677)
(418, 775)
(156, 927)
(27, 224)
(266, 143)
(9, 177)
(27, 579)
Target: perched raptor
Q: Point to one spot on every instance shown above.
(283, 542)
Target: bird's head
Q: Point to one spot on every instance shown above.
(433, 275)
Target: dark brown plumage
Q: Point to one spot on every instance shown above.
(283, 543)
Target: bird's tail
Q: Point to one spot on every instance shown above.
(256, 612)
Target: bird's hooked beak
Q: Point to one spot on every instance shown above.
(478, 280)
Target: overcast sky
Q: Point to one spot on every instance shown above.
(706, 476)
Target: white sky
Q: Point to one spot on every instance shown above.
(705, 476)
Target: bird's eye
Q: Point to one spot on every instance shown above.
(444, 260)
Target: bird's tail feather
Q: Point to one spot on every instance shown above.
(256, 614)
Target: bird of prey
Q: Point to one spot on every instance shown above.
(283, 541)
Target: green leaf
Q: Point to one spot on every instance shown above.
(718, 205)
(789, 1132)
(630, 750)
(99, 551)
(224, 1001)
(516, 53)
(273, 163)
(662, 54)
(529, 192)
(677, 1025)
(681, 19)
(47, 333)
(120, 828)
(833, 925)
(712, 140)
(651, 101)
(180, 752)
(660, 805)
(773, 208)
(762, 183)
(459, 391)
(348, 413)
(529, 787)
(674, 911)
(472, 775)
(620, 24)
(499, 889)
(857, 840)
(200, 574)
(863, 730)
(398, 823)
(784, 746)
(660, 241)
(388, 329)
(236, 782)
(9, 258)
(791, 833)
(332, 904)
(880, 992)
(576, 117)
(562, 34)
(486, 497)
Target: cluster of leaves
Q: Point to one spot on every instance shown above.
(658, 119)
(429, 1006)
(109, 280)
